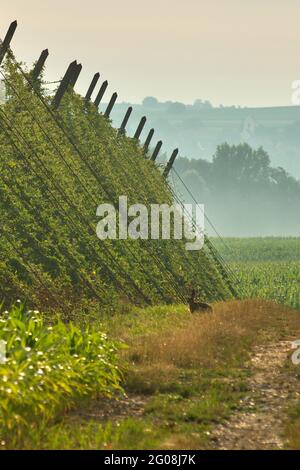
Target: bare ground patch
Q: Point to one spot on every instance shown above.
(105, 409)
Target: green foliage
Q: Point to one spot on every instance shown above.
(48, 368)
(278, 281)
(268, 268)
(54, 172)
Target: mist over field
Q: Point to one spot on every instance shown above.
(242, 163)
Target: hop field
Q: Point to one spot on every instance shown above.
(63, 167)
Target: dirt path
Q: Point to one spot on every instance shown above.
(258, 423)
(105, 409)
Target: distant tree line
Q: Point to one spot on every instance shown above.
(152, 102)
(242, 192)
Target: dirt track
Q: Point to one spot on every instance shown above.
(258, 423)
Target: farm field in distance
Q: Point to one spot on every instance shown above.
(267, 268)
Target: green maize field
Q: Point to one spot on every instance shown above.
(267, 268)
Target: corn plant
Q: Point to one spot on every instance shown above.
(48, 368)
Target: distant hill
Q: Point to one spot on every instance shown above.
(198, 129)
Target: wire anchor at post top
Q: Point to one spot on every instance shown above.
(92, 86)
(148, 140)
(75, 74)
(156, 150)
(111, 105)
(65, 82)
(101, 93)
(140, 128)
(4, 46)
(170, 163)
(122, 128)
(39, 65)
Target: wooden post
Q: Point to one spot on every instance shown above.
(39, 66)
(75, 74)
(148, 140)
(140, 127)
(170, 163)
(92, 86)
(7, 40)
(111, 105)
(64, 85)
(156, 150)
(125, 120)
(101, 93)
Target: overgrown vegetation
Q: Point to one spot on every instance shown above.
(47, 370)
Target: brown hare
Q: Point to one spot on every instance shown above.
(198, 306)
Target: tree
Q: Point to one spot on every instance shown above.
(240, 163)
(150, 102)
(200, 104)
(242, 193)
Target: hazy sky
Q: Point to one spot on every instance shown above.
(228, 51)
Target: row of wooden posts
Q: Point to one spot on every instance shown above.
(69, 80)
